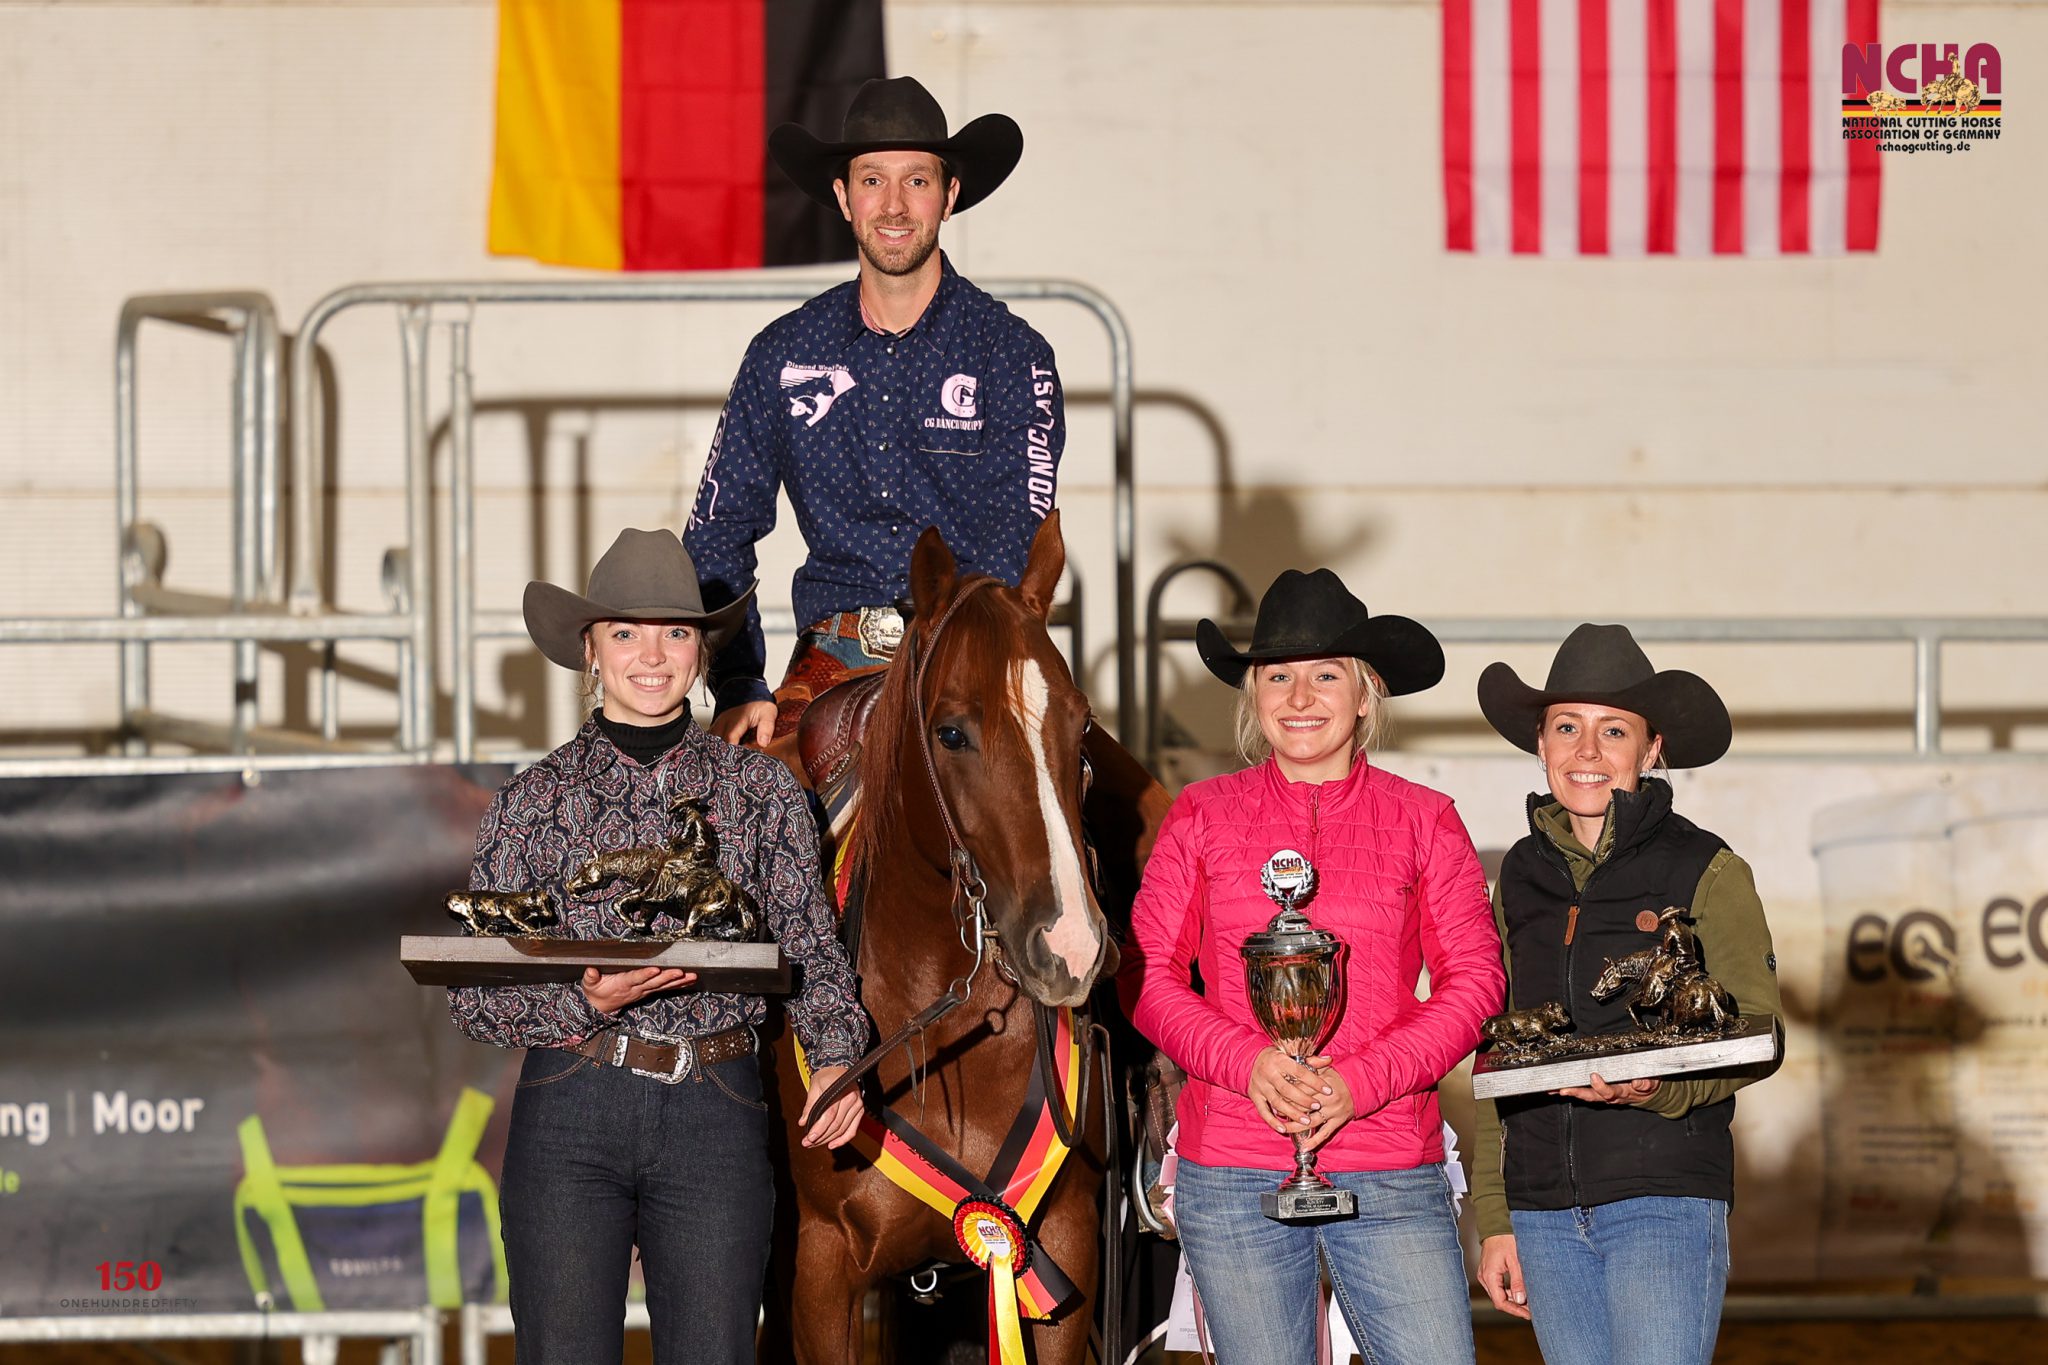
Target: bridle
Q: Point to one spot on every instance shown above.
(970, 891)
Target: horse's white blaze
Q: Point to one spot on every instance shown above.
(1070, 934)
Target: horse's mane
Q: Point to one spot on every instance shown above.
(982, 637)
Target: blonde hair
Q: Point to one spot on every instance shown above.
(1371, 728)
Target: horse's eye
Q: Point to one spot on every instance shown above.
(953, 737)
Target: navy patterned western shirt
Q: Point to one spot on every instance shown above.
(956, 423)
(587, 797)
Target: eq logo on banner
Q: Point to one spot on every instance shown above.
(1921, 945)
(1922, 97)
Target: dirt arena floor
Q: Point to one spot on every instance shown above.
(1980, 1341)
(1995, 1341)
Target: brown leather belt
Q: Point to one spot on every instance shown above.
(669, 1060)
(878, 630)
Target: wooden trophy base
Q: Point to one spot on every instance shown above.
(459, 960)
(1756, 1042)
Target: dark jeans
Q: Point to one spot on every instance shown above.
(600, 1160)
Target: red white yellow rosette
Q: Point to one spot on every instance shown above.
(992, 1235)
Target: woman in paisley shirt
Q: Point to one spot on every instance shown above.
(639, 1117)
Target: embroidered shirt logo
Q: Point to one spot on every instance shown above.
(811, 389)
(957, 394)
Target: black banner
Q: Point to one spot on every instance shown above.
(218, 1088)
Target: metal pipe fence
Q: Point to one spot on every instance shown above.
(1925, 634)
(253, 326)
(319, 1334)
(265, 607)
(414, 300)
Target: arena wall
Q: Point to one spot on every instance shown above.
(1256, 184)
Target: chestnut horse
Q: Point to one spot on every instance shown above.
(987, 761)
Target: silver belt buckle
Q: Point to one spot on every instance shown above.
(686, 1060)
(881, 631)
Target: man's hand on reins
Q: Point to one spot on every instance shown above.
(751, 722)
(836, 1125)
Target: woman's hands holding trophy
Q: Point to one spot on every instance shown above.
(1307, 1100)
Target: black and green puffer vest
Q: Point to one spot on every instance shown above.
(1563, 1153)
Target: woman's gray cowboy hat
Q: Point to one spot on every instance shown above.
(645, 576)
(899, 115)
(1604, 666)
(1314, 616)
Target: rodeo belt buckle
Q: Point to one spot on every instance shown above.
(881, 631)
(686, 1059)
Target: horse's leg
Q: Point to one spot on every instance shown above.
(826, 1324)
(820, 1276)
(1725, 1010)
(627, 900)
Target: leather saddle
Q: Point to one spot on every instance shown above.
(829, 736)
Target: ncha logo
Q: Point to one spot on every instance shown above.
(1868, 71)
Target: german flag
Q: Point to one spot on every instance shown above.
(632, 134)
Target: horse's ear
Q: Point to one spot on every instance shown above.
(933, 572)
(1042, 570)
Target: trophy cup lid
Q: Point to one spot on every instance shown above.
(1289, 932)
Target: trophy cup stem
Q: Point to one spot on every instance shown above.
(1305, 1176)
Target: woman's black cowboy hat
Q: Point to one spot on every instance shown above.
(1314, 616)
(900, 115)
(1604, 666)
(645, 576)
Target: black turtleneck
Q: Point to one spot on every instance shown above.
(644, 744)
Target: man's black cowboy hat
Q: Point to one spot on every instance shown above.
(1604, 666)
(900, 115)
(1314, 616)
(645, 576)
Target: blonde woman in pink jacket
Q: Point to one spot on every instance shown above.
(1396, 880)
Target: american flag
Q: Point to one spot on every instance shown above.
(1654, 127)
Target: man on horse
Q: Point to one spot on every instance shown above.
(902, 399)
(906, 399)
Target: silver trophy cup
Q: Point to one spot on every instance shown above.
(1289, 971)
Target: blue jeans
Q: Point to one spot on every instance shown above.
(1635, 1280)
(1396, 1269)
(600, 1159)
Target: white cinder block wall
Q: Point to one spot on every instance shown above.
(1254, 183)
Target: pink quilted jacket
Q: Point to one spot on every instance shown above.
(1397, 881)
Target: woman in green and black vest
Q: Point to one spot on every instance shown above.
(1603, 1210)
